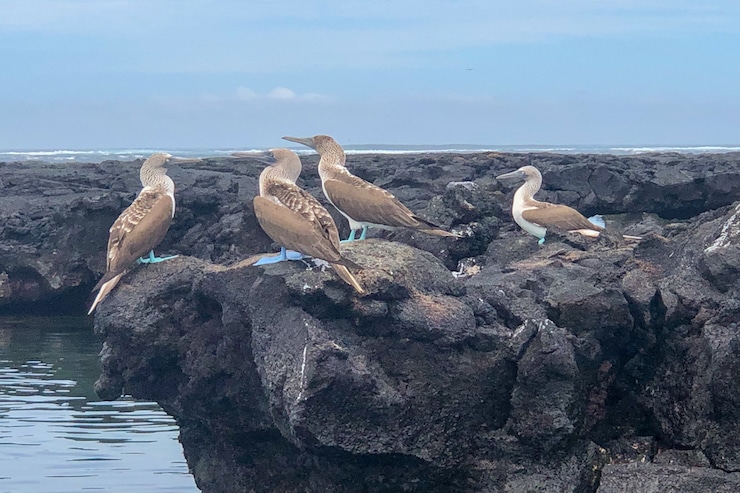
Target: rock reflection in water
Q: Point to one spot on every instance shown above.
(54, 433)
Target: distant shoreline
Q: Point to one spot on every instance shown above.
(98, 155)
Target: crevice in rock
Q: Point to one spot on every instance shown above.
(73, 301)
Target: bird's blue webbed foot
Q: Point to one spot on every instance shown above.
(282, 256)
(541, 241)
(293, 255)
(151, 259)
(351, 236)
(270, 260)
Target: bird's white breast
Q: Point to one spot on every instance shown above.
(517, 208)
(172, 196)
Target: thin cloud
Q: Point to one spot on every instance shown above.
(278, 93)
(281, 93)
(246, 94)
(241, 95)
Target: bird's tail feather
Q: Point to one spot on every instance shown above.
(106, 277)
(430, 228)
(105, 288)
(440, 232)
(595, 234)
(344, 273)
(348, 263)
(591, 233)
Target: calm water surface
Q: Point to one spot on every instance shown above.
(57, 436)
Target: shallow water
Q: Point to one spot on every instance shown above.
(57, 436)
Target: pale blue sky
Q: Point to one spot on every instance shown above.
(200, 74)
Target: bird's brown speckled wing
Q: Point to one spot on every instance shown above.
(303, 203)
(365, 202)
(558, 217)
(139, 229)
(291, 230)
(296, 220)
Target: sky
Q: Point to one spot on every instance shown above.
(80, 74)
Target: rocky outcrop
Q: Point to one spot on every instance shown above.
(572, 367)
(578, 366)
(54, 218)
(305, 374)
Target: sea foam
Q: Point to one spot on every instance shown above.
(97, 155)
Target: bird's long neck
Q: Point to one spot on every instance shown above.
(156, 179)
(332, 159)
(530, 187)
(275, 174)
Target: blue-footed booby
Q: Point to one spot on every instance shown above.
(537, 217)
(294, 219)
(362, 203)
(141, 226)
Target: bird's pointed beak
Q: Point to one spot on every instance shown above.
(244, 154)
(514, 174)
(263, 157)
(306, 141)
(184, 160)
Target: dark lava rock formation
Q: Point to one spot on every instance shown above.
(579, 366)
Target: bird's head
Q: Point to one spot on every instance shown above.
(286, 161)
(523, 173)
(320, 143)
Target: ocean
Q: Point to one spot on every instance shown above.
(97, 155)
(57, 436)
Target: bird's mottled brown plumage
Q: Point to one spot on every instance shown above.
(361, 202)
(557, 217)
(367, 203)
(141, 226)
(294, 219)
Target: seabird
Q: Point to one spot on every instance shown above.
(294, 219)
(537, 217)
(142, 226)
(362, 203)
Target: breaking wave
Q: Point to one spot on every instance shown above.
(97, 155)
